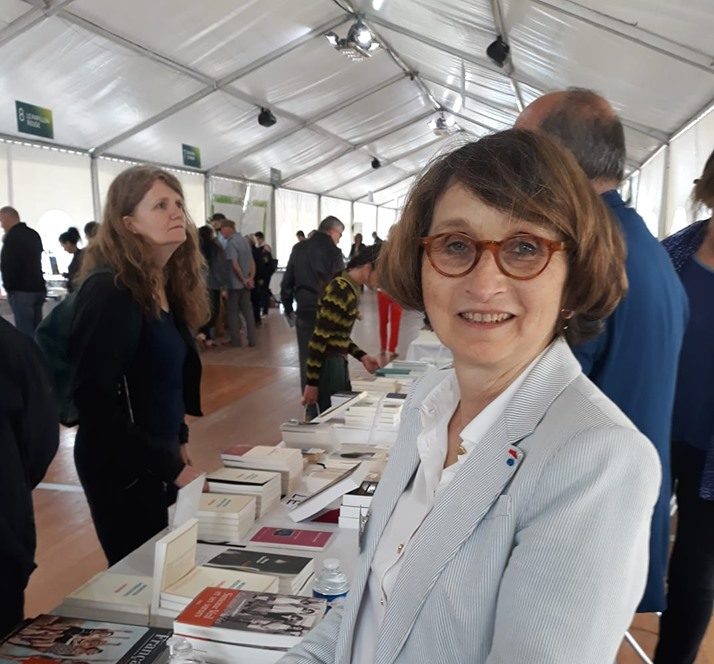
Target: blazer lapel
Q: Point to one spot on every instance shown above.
(455, 515)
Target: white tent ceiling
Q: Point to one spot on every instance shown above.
(138, 79)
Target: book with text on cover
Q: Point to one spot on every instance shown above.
(303, 506)
(249, 618)
(292, 538)
(58, 639)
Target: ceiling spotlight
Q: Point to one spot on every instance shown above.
(357, 45)
(376, 163)
(377, 4)
(443, 125)
(266, 117)
(498, 51)
(360, 34)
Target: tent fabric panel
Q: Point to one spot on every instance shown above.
(292, 154)
(391, 194)
(690, 23)
(493, 117)
(216, 37)
(639, 146)
(404, 140)
(340, 170)
(324, 78)
(95, 88)
(342, 209)
(11, 10)
(464, 24)
(219, 125)
(377, 113)
(649, 191)
(641, 84)
(370, 182)
(418, 160)
(490, 84)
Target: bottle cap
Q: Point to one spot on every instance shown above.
(331, 563)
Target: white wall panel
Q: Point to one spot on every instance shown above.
(649, 194)
(341, 209)
(294, 211)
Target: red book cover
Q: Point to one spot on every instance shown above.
(292, 538)
(208, 606)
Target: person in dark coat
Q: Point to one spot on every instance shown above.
(21, 268)
(137, 369)
(69, 241)
(311, 265)
(217, 279)
(690, 581)
(634, 360)
(29, 435)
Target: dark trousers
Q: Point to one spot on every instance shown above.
(690, 594)
(334, 377)
(214, 299)
(12, 590)
(27, 310)
(304, 326)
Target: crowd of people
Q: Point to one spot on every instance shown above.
(524, 513)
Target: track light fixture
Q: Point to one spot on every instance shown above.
(376, 163)
(266, 117)
(498, 51)
(443, 125)
(359, 43)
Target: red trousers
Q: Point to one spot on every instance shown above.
(389, 313)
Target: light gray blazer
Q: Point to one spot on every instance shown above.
(538, 561)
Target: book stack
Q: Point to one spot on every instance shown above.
(225, 626)
(58, 639)
(177, 578)
(224, 517)
(294, 573)
(262, 484)
(278, 459)
(355, 504)
(305, 435)
(379, 412)
(112, 597)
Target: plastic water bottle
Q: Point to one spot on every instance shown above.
(331, 582)
(181, 652)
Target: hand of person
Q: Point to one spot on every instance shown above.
(250, 283)
(370, 363)
(224, 294)
(309, 395)
(186, 476)
(183, 452)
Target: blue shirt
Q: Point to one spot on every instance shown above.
(693, 419)
(168, 353)
(634, 362)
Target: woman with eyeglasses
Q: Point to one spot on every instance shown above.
(511, 524)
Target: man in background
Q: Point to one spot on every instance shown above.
(634, 361)
(29, 436)
(242, 281)
(21, 268)
(311, 265)
(215, 222)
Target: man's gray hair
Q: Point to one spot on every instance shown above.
(330, 223)
(585, 124)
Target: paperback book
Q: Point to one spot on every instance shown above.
(249, 618)
(264, 485)
(279, 459)
(57, 639)
(292, 571)
(292, 538)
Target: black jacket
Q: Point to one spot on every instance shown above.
(312, 264)
(110, 450)
(29, 435)
(21, 260)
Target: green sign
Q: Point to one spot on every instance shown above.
(33, 119)
(191, 155)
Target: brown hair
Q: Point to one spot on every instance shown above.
(703, 192)
(129, 255)
(527, 176)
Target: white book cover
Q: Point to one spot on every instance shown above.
(114, 592)
(202, 577)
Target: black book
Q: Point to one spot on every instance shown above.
(261, 563)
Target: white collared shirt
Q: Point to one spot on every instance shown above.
(430, 479)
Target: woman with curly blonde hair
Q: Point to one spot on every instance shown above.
(137, 372)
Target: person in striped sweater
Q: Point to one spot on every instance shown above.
(337, 311)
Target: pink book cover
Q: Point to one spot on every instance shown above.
(315, 540)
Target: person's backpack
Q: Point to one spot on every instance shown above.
(52, 337)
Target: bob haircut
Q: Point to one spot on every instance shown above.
(130, 257)
(527, 176)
